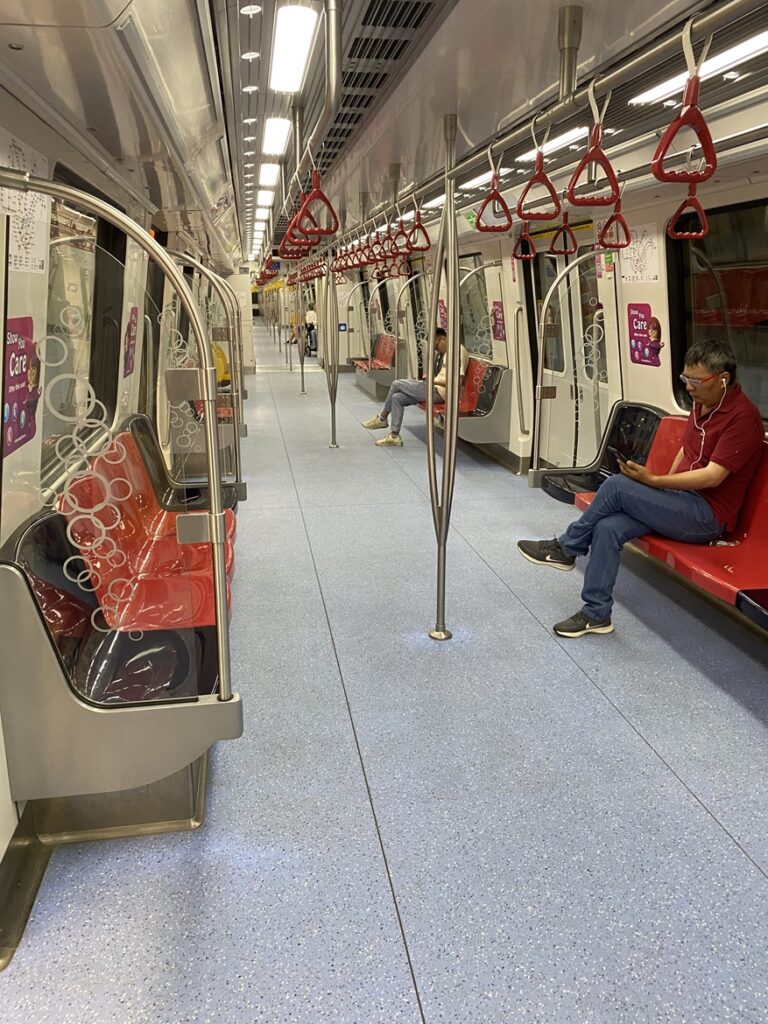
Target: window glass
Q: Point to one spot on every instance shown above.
(592, 321)
(544, 269)
(475, 315)
(725, 292)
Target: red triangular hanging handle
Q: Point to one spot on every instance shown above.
(401, 239)
(540, 177)
(594, 155)
(418, 239)
(517, 252)
(690, 117)
(312, 209)
(616, 222)
(566, 231)
(494, 196)
(691, 203)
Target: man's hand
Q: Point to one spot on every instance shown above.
(637, 472)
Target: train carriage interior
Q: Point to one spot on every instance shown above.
(315, 311)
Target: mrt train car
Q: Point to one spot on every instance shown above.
(286, 733)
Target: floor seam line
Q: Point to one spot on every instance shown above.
(371, 804)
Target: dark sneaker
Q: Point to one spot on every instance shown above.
(581, 624)
(546, 552)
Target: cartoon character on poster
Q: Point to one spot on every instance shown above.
(442, 314)
(22, 384)
(645, 342)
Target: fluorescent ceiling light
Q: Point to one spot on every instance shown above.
(484, 179)
(250, 9)
(294, 32)
(269, 174)
(276, 132)
(262, 213)
(265, 197)
(249, 152)
(250, 120)
(251, 55)
(714, 66)
(554, 144)
(250, 88)
(434, 203)
(249, 138)
(249, 165)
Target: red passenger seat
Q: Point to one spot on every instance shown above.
(470, 388)
(383, 355)
(142, 576)
(734, 569)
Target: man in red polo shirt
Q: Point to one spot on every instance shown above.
(696, 501)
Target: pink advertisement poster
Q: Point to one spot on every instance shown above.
(645, 342)
(442, 314)
(21, 387)
(129, 342)
(498, 327)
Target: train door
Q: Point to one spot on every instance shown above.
(576, 322)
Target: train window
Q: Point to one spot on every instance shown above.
(66, 350)
(592, 324)
(544, 269)
(719, 290)
(474, 310)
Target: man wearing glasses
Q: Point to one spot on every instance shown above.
(696, 501)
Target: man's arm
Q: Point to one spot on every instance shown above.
(692, 480)
(677, 460)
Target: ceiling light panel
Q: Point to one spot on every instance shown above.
(265, 197)
(269, 175)
(291, 45)
(276, 132)
(559, 142)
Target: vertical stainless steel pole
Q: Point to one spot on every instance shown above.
(300, 320)
(331, 320)
(453, 355)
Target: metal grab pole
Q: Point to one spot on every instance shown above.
(450, 435)
(592, 254)
(216, 521)
(218, 287)
(300, 319)
(413, 277)
(331, 323)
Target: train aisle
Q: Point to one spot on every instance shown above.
(504, 828)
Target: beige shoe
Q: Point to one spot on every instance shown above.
(375, 423)
(390, 441)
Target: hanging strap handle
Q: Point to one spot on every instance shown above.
(689, 117)
(615, 233)
(525, 236)
(495, 200)
(418, 237)
(594, 155)
(314, 206)
(540, 177)
(570, 246)
(691, 204)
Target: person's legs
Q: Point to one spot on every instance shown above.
(401, 394)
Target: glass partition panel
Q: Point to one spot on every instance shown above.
(87, 505)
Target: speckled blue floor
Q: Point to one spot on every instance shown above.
(504, 828)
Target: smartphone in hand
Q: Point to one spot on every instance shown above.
(617, 454)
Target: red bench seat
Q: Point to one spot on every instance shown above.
(143, 578)
(383, 357)
(732, 566)
(470, 388)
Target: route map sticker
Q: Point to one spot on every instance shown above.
(640, 260)
(28, 211)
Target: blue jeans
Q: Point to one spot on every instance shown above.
(621, 510)
(401, 394)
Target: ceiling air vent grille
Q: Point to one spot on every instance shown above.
(378, 49)
(363, 79)
(396, 13)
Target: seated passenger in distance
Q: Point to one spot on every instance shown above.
(695, 502)
(410, 392)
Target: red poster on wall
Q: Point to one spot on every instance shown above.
(442, 314)
(21, 384)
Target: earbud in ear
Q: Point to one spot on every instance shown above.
(724, 382)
